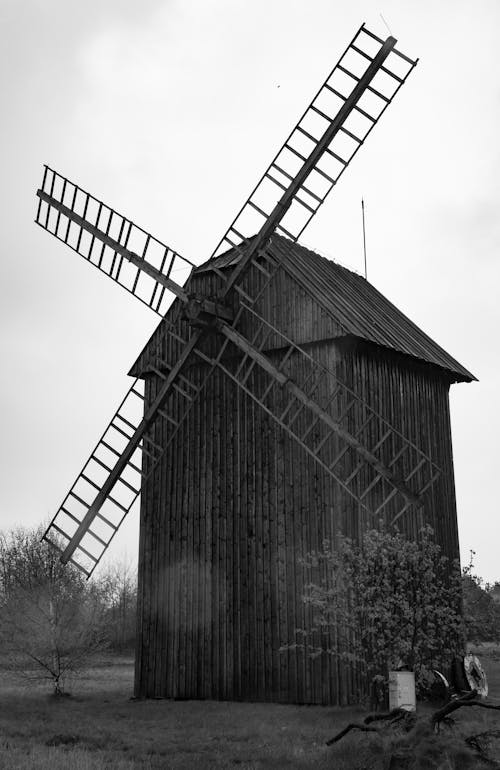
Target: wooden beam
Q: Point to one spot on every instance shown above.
(293, 388)
(146, 267)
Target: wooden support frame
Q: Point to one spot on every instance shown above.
(262, 360)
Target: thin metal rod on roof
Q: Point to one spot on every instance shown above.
(364, 236)
(386, 24)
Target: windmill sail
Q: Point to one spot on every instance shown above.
(142, 264)
(124, 457)
(72, 511)
(345, 110)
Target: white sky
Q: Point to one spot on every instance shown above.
(170, 111)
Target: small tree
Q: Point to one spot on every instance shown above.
(385, 602)
(481, 612)
(118, 585)
(51, 620)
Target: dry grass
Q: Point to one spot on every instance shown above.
(100, 727)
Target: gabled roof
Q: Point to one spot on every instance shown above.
(357, 306)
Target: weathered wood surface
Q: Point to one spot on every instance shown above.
(236, 502)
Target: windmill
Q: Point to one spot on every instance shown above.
(222, 324)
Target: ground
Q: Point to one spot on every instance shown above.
(100, 727)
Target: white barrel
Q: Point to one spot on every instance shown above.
(402, 690)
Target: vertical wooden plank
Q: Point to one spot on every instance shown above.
(226, 511)
(231, 529)
(236, 450)
(169, 473)
(199, 619)
(251, 555)
(289, 527)
(217, 603)
(266, 567)
(284, 635)
(202, 550)
(246, 549)
(165, 483)
(259, 660)
(161, 542)
(178, 564)
(193, 619)
(274, 642)
(210, 584)
(189, 557)
(140, 680)
(153, 673)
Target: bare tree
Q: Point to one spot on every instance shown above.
(118, 586)
(51, 620)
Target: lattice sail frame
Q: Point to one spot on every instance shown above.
(111, 242)
(352, 132)
(145, 457)
(325, 140)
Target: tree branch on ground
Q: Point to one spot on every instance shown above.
(413, 726)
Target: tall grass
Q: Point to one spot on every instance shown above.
(43, 758)
(100, 727)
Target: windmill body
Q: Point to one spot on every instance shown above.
(281, 400)
(238, 499)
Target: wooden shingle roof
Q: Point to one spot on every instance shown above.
(355, 304)
(358, 309)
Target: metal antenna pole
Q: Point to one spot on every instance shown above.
(364, 235)
(386, 24)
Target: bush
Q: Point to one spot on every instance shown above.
(388, 602)
(481, 612)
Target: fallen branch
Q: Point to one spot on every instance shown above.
(397, 715)
(453, 705)
(353, 726)
(384, 715)
(394, 716)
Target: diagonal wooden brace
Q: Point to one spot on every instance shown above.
(327, 419)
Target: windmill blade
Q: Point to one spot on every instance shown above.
(111, 479)
(128, 452)
(133, 258)
(87, 553)
(325, 140)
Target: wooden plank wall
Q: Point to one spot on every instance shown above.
(231, 510)
(236, 502)
(299, 317)
(414, 398)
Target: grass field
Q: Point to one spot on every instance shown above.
(100, 727)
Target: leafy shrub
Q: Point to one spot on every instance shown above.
(387, 602)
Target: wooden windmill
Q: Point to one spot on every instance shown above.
(235, 403)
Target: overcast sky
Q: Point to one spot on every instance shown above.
(169, 111)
